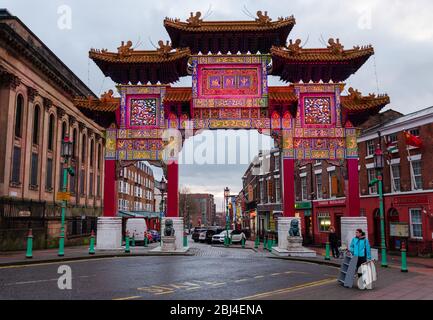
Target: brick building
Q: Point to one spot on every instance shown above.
(136, 187)
(408, 193)
(201, 209)
(262, 203)
(37, 111)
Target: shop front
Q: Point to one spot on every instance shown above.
(327, 213)
(303, 211)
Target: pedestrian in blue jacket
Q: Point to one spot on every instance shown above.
(360, 247)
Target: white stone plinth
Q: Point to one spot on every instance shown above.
(109, 233)
(349, 226)
(178, 234)
(295, 248)
(168, 244)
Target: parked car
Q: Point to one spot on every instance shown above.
(211, 232)
(219, 238)
(202, 236)
(196, 233)
(155, 235)
(236, 236)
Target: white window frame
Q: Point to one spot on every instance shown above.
(411, 224)
(370, 147)
(330, 173)
(304, 195)
(414, 176)
(372, 189)
(394, 179)
(319, 191)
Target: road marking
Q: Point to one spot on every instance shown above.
(276, 274)
(218, 284)
(56, 262)
(241, 280)
(258, 277)
(290, 289)
(127, 298)
(37, 281)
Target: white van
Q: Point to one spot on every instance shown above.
(136, 227)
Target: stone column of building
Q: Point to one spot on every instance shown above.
(172, 189)
(288, 187)
(353, 199)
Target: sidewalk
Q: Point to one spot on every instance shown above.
(76, 253)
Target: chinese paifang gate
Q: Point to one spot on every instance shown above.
(229, 62)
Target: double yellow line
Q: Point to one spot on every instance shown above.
(290, 289)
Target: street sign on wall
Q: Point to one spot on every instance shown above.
(63, 196)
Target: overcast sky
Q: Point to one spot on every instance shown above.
(400, 31)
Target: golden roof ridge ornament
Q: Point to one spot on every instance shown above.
(194, 20)
(164, 49)
(294, 48)
(125, 50)
(263, 18)
(335, 46)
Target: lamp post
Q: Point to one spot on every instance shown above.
(162, 188)
(226, 197)
(379, 164)
(65, 153)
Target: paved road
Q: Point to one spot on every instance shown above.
(212, 273)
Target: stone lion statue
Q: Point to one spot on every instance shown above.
(169, 230)
(294, 228)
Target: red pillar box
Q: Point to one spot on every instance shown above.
(353, 200)
(172, 189)
(288, 187)
(110, 190)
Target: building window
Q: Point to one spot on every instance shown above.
(415, 223)
(277, 190)
(34, 170)
(262, 191)
(324, 221)
(63, 130)
(99, 156)
(51, 133)
(74, 143)
(83, 149)
(16, 166)
(319, 186)
(72, 180)
(49, 177)
(333, 184)
(371, 176)
(91, 184)
(98, 186)
(92, 150)
(36, 117)
(19, 116)
(392, 138)
(417, 178)
(82, 182)
(414, 132)
(304, 191)
(395, 177)
(370, 147)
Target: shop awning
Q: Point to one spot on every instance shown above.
(138, 214)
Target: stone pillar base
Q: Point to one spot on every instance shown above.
(168, 244)
(178, 235)
(349, 226)
(109, 233)
(290, 246)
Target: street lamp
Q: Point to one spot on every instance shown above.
(226, 196)
(162, 188)
(65, 153)
(379, 164)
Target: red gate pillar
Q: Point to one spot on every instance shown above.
(353, 201)
(288, 187)
(110, 190)
(172, 189)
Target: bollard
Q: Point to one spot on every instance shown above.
(264, 243)
(92, 243)
(133, 239)
(269, 245)
(243, 243)
(185, 241)
(61, 243)
(145, 240)
(257, 243)
(127, 250)
(327, 257)
(403, 257)
(274, 242)
(29, 253)
(231, 239)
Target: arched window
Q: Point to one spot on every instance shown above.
(63, 130)
(92, 150)
(74, 143)
(51, 133)
(19, 116)
(36, 117)
(83, 149)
